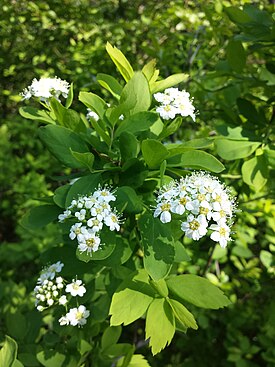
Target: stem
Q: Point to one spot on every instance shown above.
(208, 262)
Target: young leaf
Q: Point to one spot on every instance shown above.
(149, 69)
(168, 82)
(8, 352)
(137, 360)
(183, 315)
(157, 241)
(196, 159)
(154, 152)
(110, 83)
(120, 61)
(198, 291)
(59, 141)
(160, 325)
(131, 300)
(235, 149)
(70, 97)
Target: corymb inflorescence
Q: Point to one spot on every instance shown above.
(203, 202)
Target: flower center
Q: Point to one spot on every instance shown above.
(194, 225)
(183, 201)
(201, 197)
(79, 315)
(204, 210)
(75, 286)
(90, 242)
(222, 231)
(165, 207)
(167, 108)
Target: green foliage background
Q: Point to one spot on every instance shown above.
(228, 55)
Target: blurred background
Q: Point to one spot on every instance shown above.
(227, 48)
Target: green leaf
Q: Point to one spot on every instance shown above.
(180, 253)
(160, 287)
(171, 128)
(235, 149)
(67, 117)
(242, 251)
(149, 69)
(94, 102)
(131, 299)
(236, 56)
(86, 159)
(266, 258)
(110, 83)
(40, 216)
(196, 159)
(183, 315)
(128, 145)
(127, 200)
(191, 144)
(255, 172)
(84, 185)
(168, 82)
(51, 358)
(135, 97)
(17, 325)
(120, 61)
(33, 113)
(237, 15)
(8, 352)
(70, 97)
(160, 325)
(110, 336)
(137, 360)
(158, 246)
(133, 173)
(135, 124)
(60, 195)
(154, 152)
(60, 141)
(198, 291)
(248, 110)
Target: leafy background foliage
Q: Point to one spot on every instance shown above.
(226, 48)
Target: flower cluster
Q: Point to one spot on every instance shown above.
(90, 213)
(51, 289)
(203, 202)
(175, 102)
(46, 88)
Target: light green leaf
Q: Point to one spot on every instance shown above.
(183, 315)
(60, 141)
(154, 152)
(135, 124)
(196, 159)
(160, 325)
(67, 117)
(51, 358)
(94, 102)
(131, 300)
(40, 216)
(235, 149)
(135, 97)
(33, 113)
(86, 159)
(8, 352)
(191, 144)
(110, 83)
(158, 246)
(198, 291)
(266, 258)
(171, 128)
(137, 360)
(168, 82)
(255, 172)
(120, 61)
(160, 287)
(70, 97)
(149, 70)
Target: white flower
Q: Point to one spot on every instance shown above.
(80, 215)
(195, 227)
(221, 233)
(62, 300)
(163, 209)
(76, 230)
(64, 320)
(95, 224)
(50, 271)
(78, 316)
(89, 242)
(167, 111)
(92, 115)
(121, 117)
(46, 88)
(76, 288)
(104, 195)
(64, 216)
(112, 221)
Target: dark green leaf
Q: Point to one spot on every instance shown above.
(128, 200)
(135, 124)
(86, 159)
(154, 152)
(40, 216)
(128, 145)
(236, 56)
